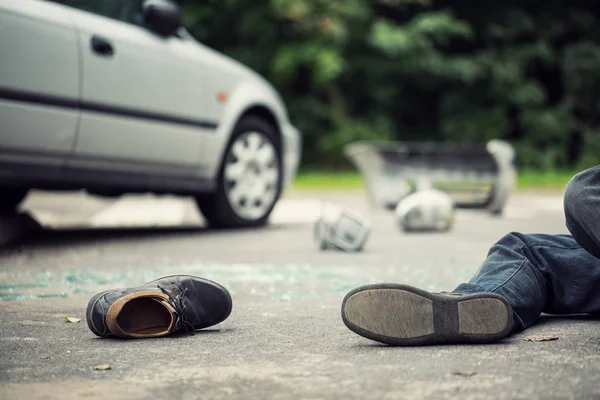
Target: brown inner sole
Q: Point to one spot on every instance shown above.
(144, 316)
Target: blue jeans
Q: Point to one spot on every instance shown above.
(553, 274)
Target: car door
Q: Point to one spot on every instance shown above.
(39, 83)
(144, 106)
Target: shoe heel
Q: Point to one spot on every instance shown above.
(484, 317)
(88, 314)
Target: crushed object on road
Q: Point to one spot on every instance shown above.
(341, 229)
(72, 320)
(480, 175)
(102, 367)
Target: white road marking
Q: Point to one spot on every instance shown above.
(147, 210)
(161, 211)
(135, 211)
(289, 211)
(46, 218)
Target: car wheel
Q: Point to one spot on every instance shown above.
(249, 180)
(10, 197)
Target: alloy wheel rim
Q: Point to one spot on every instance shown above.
(251, 175)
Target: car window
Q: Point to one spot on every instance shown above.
(123, 10)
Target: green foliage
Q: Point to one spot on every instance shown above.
(527, 71)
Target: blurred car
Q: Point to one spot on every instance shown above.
(115, 97)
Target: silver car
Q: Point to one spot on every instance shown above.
(115, 97)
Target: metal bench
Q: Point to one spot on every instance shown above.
(474, 175)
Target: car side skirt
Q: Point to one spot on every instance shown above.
(46, 177)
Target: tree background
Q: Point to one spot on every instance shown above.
(446, 70)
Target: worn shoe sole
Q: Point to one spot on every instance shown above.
(198, 281)
(402, 315)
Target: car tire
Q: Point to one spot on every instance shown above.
(10, 198)
(249, 180)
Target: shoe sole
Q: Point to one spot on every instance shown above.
(96, 298)
(403, 315)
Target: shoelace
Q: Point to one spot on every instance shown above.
(177, 302)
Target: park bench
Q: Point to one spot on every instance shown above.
(475, 175)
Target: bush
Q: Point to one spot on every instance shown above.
(527, 72)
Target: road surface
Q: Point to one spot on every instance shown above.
(285, 337)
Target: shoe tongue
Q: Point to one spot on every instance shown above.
(133, 316)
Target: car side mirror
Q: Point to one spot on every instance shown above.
(162, 16)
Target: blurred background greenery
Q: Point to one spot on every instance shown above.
(447, 70)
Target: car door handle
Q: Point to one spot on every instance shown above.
(102, 46)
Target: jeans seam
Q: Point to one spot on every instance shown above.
(512, 275)
(554, 247)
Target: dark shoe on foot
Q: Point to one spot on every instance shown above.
(402, 315)
(177, 303)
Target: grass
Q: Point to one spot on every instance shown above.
(544, 180)
(328, 180)
(320, 180)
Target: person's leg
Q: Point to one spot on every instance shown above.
(529, 274)
(582, 209)
(539, 273)
(523, 275)
(555, 274)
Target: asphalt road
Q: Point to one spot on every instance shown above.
(285, 338)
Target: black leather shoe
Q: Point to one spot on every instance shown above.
(178, 303)
(403, 315)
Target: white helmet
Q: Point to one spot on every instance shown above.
(425, 210)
